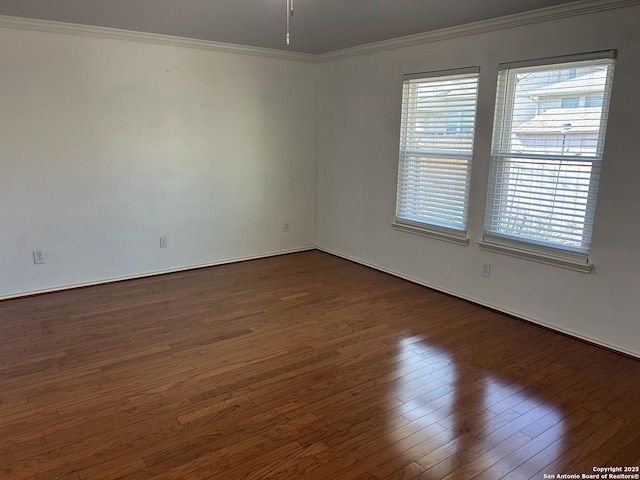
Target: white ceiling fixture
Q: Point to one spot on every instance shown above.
(289, 15)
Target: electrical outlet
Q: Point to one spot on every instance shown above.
(485, 270)
(38, 257)
(163, 242)
(286, 226)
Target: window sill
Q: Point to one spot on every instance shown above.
(437, 234)
(577, 266)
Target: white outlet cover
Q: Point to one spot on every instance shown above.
(485, 270)
(38, 257)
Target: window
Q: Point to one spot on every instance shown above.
(436, 146)
(546, 163)
(569, 102)
(593, 101)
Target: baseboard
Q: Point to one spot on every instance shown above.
(153, 273)
(513, 313)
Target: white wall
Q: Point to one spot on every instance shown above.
(105, 145)
(358, 132)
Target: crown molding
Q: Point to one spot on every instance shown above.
(580, 7)
(572, 9)
(148, 38)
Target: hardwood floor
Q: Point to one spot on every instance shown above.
(304, 366)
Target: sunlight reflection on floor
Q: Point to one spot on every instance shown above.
(457, 412)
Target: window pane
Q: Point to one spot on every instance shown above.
(594, 101)
(551, 113)
(547, 150)
(542, 200)
(438, 119)
(569, 102)
(433, 190)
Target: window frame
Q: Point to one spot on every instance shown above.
(425, 228)
(521, 246)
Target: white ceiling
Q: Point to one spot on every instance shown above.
(318, 26)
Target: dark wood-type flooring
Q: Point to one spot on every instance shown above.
(304, 366)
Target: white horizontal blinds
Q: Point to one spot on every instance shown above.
(436, 145)
(547, 148)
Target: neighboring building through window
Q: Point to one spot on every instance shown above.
(547, 150)
(436, 146)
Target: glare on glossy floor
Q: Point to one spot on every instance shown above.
(303, 366)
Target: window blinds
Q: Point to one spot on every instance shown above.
(436, 145)
(547, 150)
